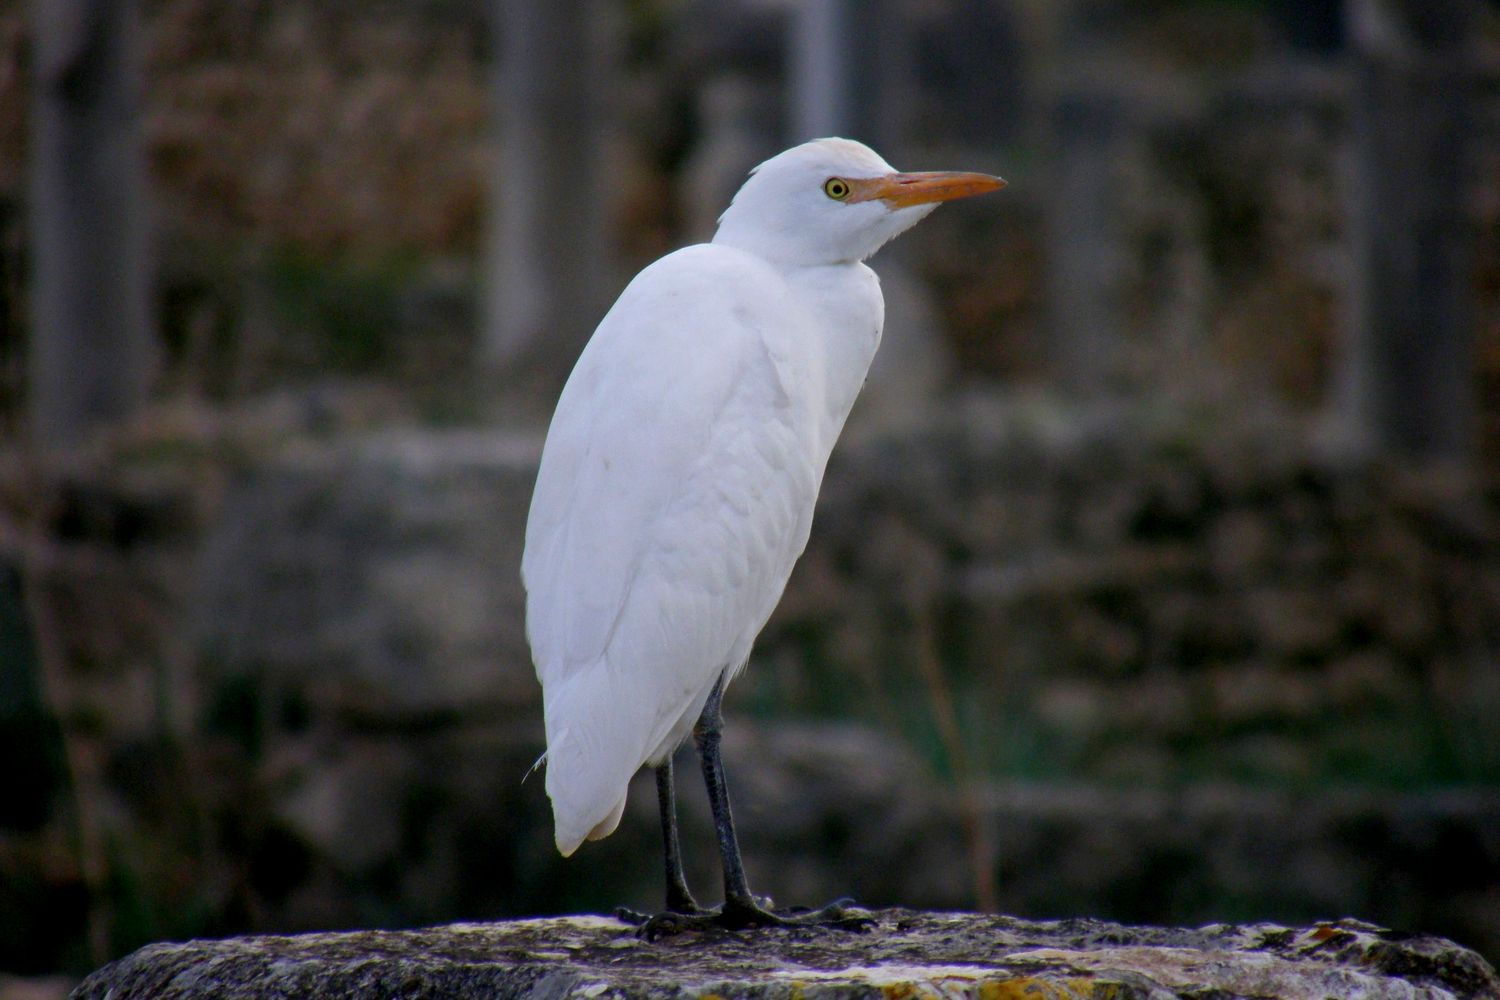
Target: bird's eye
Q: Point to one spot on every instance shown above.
(836, 188)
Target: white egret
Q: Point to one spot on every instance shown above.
(677, 483)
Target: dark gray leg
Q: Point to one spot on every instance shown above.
(679, 899)
(706, 735)
(741, 909)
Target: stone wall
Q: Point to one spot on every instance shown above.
(1133, 671)
(1152, 601)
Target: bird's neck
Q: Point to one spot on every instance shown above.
(847, 311)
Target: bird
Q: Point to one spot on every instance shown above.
(677, 482)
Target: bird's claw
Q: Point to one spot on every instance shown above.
(841, 914)
(629, 916)
(639, 919)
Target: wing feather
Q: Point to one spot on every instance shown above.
(673, 497)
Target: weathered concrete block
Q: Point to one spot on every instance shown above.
(388, 570)
(907, 953)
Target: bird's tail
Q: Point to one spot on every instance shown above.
(594, 747)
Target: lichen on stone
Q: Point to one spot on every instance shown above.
(906, 955)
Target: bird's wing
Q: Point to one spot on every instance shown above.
(673, 497)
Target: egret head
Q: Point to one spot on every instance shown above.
(834, 200)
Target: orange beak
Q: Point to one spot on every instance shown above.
(905, 190)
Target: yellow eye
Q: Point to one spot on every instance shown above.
(836, 188)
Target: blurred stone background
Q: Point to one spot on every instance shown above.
(1123, 598)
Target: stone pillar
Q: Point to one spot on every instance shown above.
(850, 76)
(1406, 381)
(92, 350)
(550, 270)
(821, 74)
(850, 73)
(1084, 243)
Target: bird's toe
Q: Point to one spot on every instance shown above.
(629, 916)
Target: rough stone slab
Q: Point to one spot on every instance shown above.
(908, 954)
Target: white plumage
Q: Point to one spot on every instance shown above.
(677, 484)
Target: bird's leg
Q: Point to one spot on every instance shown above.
(679, 899)
(706, 734)
(741, 908)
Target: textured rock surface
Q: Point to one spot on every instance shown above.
(908, 954)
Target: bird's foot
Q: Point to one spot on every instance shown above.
(739, 915)
(689, 910)
(680, 903)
